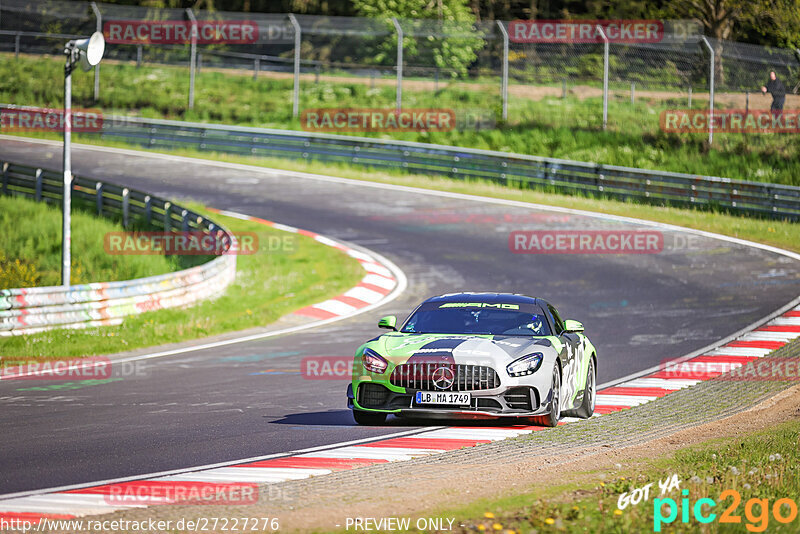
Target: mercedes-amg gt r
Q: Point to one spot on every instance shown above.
(476, 355)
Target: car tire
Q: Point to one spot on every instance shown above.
(586, 409)
(369, 418)
(551, 419)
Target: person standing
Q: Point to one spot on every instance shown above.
(778, 91)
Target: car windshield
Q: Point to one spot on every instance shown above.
(477, 318)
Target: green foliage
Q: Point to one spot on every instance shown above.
(17, 273)
(31, 244)
(539, 123)
(453, 47)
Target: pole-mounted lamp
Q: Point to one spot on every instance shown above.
(88, 52)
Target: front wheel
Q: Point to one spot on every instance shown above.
(369, 418)
(586, 409)
(551, 419)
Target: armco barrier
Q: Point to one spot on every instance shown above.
(737, 196)
(28, 310)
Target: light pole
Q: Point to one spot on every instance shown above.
(88, 52)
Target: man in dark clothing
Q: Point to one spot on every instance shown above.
(778, 92)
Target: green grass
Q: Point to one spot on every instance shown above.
(747, 465)
(269, 284)
(550, 126)
(37, 244)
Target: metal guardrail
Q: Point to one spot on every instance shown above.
(29, 310)
(517, 170)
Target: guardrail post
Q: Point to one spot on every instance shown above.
(125, 206)
(710, 90)
(148, 209)
(297, 41)
(399, 31)
(185, 221)
(99, 27)
(5, 178)
(192, 55)
(167, 216)
(504, 81)
(605, 75)
(38, 194)
(16, 45)
(99, 200)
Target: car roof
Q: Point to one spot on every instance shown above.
(492, 298)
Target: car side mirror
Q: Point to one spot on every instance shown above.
(571, 325)
(389, 322)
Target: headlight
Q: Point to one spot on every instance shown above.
(373, 361)
(527, 365)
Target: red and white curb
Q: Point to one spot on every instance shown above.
(742, 350)
(376, 285)
(131, 493)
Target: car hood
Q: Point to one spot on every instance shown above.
(460, 349)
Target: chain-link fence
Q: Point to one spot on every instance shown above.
(479, 70)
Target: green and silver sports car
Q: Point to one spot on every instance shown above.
(476, 355)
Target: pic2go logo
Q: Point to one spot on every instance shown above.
(756, 511)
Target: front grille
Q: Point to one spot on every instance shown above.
(466, 377)
(518, 398)
(372, 395)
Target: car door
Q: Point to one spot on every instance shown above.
(571, 356)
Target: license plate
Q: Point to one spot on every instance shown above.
(443, 397)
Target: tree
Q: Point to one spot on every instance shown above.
(446, 31)
(719, 18)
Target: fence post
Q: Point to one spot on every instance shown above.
(126, 199)
(605, 75)
(297, 41)
(99, 27)
(138, 56)
(185, 221)
(5, 178)
(199, 61)
(504, 83)
(710, 91)
(99, 197)
(746, 102)
(38, 194)
(256, 68)
(633, 93)
(148, 209)
(563, 88)
(193, 55)
(690, 97)
(16, 45)
(399, 30)
(167, 216)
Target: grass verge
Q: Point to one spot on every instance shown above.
(538, 124)
(288, 272)
(36, 253)
(762, 466)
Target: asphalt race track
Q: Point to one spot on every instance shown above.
(248, 399)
